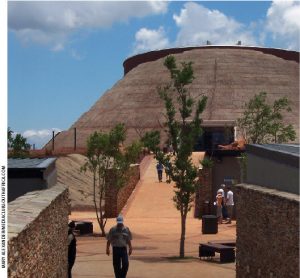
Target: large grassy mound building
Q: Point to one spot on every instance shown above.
(228, 75)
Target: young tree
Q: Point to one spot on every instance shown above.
(19, 145)
(263, 123)
(9, 137)
(183, 127)
(106, 159)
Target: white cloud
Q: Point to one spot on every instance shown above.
(51, 23)
(76, 55)
(198, 24)
(147, 39)
(39, 137)
(58, 47)
(283, 23)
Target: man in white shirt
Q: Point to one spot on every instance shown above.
(229, 204)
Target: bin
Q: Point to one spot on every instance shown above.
(209, 224)
(206, 208)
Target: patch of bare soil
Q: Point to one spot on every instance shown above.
(80, 183)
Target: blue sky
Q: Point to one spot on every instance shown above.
(62, 56)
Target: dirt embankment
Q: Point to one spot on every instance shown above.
(80, 183)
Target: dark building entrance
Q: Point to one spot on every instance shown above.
(214, 136)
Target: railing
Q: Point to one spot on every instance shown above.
(56, 152)
(41, 153)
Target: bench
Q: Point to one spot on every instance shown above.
(228, 242)
(227, 254)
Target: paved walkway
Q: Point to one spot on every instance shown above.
(155, 224)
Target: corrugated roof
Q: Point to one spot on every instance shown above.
(29, 163)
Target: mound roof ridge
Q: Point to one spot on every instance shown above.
(229, 78)
(137, 59)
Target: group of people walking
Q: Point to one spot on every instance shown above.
(224, 203)
(160, 168)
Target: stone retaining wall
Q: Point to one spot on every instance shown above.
(204, 193)
(116, 198)
(37, 234)
(267, 232)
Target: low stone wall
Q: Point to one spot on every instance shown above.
(267, 232)
(116, 198)
(37, 234)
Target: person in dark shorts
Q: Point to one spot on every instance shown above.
(71, 248)
(119, 237)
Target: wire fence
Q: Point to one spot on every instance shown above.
(56, 152)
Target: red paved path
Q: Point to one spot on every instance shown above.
(155, 223)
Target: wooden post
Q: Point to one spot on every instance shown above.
(75, 138)
(53, 140)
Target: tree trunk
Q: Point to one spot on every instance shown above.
(102, 224)
(95, 202)
(182, 238)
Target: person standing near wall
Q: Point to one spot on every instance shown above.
(222, 191)
(71, 248)
(219, 200)
(119, 237)
(229, 204)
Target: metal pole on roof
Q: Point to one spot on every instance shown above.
(75, 138)
(53, 140)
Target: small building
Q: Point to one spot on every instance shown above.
(221, 144)
(225, 169)
(267, 212)
(30, 174)
(274, 166)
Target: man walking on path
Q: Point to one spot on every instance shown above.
(119, 237)
(167, 170)
(159, 168)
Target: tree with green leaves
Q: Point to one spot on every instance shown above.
(183, 128)
(263, 123)
(151, 140)
(107, 159)
(18, 144)
(9, 137)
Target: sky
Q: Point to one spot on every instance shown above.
(62, 56)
